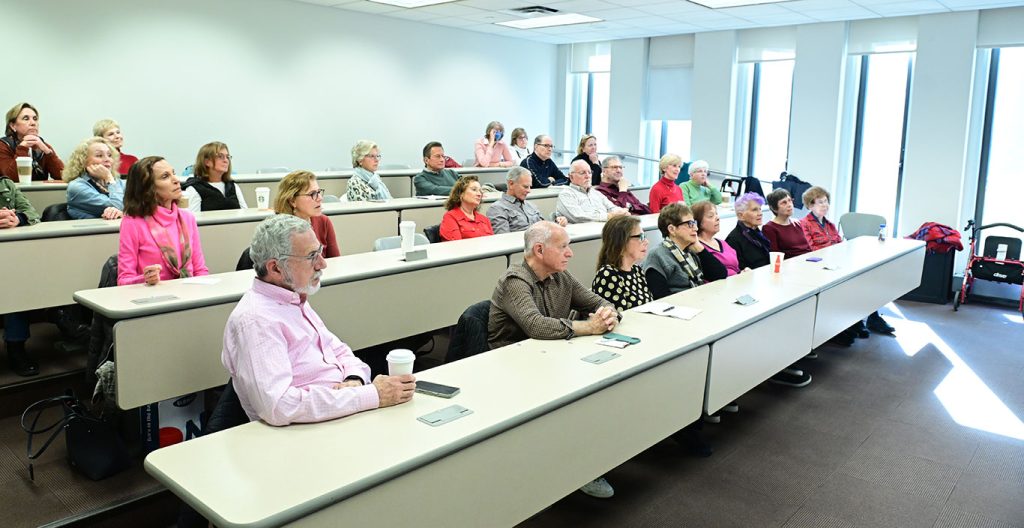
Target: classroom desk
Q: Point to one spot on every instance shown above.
(47, 249)
(524, 446)
(156, 361)
(398, 181)
(43, 194)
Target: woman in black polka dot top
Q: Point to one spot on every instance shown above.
(619, 277)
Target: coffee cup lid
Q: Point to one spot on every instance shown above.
(401, 355)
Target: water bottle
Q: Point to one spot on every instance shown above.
(881, 233)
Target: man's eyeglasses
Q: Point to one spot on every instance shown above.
(641, 237)
(545, 145)
(315, 195)
(319, 252)
(610, 167)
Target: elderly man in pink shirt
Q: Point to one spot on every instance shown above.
(286, 365)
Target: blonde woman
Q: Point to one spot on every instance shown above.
(300, 195)
(94, 188)
(365, 184)
(587, 151)
(109, 130)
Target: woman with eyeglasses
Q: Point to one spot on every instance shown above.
(725, 263)
(365, 184)
(158, 240)
(210, 188)
(677, 262)
(520, 145)
(300, 195)
(490, 150)
(619, 278)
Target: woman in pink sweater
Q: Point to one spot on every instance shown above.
(158, 240)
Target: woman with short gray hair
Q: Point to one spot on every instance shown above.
(698, 188)
(365, 184)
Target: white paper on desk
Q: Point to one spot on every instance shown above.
(668, 310)
(832, 266)
(614, 343)
(432, 197)
(200, 280)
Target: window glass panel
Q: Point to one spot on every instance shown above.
(881, 135)
(599, 107)
(1006, 142)
(770, 133)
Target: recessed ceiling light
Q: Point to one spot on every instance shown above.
(565, 19)
(409, 4)
(719, 4)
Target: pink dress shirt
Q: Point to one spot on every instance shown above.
(491, 155)
(285, 362)
(138, 249)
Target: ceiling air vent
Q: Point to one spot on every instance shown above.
(532, 11)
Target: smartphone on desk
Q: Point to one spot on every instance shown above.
(436, 389)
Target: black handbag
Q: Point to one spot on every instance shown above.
(94, 449)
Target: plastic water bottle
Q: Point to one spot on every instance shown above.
(881, 233)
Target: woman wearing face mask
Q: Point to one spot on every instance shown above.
(587, 151)
(109, 130)
(94, 188)
(158, 240)
(22, 139)
(490, 150)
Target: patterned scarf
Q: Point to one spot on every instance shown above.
(373, 180)
(170, 253)
(687, 261)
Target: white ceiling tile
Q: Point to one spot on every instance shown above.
(803, 5)
(321, 2)
(412, 14)
(675, 8)
(843, 13)
(618, 13)
(782, 19)
(579, 6)
(453, 22)
(497, 5)
(915, 7)
(961, 5)
(450, 10)
(490, 17)
(638, 3)
(751, 12)
(369, 7)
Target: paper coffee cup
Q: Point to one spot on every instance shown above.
(263, 197)
(400, 362)
(24, 170)
(775, 259)
(407, 229)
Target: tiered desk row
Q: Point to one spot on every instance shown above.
(543, 422)
(224, 235)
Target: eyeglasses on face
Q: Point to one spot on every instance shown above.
(545, 145)
(224, 157)
(315, 195)
(613, 167)
(692, 224)
(317, 253)
(641, 236)
(372, 156)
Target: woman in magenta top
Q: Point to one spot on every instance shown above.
(463, 219)
(158, 241)
(709, 225)
(784, 233)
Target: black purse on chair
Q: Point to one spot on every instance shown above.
(94, 449)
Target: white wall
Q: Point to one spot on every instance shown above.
(282, 83)
(628, 90)
(714, 101)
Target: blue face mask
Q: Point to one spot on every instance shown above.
(498, 135)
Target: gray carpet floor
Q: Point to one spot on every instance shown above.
(924, 430)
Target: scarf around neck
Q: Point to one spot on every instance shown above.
(374, 181)
(177, 259)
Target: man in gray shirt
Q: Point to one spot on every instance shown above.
(511, 212)
(434, 179)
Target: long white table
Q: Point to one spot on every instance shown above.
(224, 235)
(543, 421)
(368, 299)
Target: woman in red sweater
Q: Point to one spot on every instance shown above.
(463, 219)
(784, 233)
(299, 194)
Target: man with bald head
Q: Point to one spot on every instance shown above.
(545, 172)
(583, 203)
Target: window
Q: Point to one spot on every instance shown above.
(880, 135)
(771, 93)
(598, 98)
(1001, 170)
